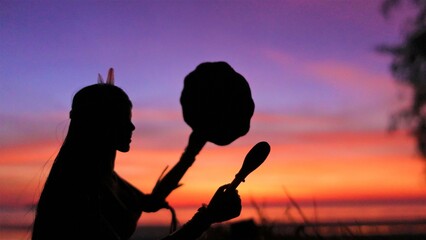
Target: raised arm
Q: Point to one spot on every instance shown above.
(171, 180)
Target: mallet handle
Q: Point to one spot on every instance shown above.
(254, 158)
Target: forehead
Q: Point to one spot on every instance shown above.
(122, 110)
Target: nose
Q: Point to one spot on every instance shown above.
(132, 126)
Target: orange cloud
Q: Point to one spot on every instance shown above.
(29, 153)
(340, 165)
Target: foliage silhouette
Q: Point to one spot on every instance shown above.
(409, 67)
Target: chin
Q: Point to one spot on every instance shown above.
(123, 148)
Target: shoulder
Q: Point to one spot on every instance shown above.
(126, 187)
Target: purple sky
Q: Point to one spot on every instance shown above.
(51, 49)
(291, 53)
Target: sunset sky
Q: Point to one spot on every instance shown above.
(323, 94)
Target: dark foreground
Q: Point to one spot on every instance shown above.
(249, 230)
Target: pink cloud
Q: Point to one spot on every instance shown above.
(22, 129)
(336, 73)
(150, 114)
(279, 57)
(345, 75)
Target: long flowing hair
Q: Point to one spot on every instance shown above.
(86, 156)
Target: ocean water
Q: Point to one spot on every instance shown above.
(15, 223)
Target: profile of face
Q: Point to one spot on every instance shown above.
(122, 131)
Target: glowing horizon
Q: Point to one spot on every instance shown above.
(323, 95)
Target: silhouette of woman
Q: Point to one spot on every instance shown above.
(84, 198)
